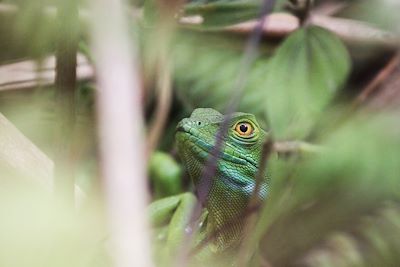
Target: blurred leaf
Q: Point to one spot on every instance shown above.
(206, 70)
(303, 76)
(37, 229)
(238, 8)
(27, 32)
(355, 175)
(293, 87)
(222, 13)
(280, 5)
(165, 174)
(380, 13)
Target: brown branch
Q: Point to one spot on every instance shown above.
(29, 74)
(66, 84)
(330, 8)
(356, 32)
(164, 86)
(378, 80)
(161, 40)
(281, 25)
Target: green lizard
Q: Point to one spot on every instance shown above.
(231, 187)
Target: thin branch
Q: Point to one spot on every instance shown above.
(378, 80)
(251, 220)
(356, 32)
(226, 226)
(280, 25)
(249, 56)
(164, 29)
(295, 147)
(164, 86)
(330, 8)
(348, 112)
(210, 168)
(300, 8)
(28, 74)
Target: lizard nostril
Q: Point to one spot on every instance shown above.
(199, 123)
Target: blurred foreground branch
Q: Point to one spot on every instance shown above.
(121, 129)
(66, 86)
(164, 30)
(281, 25)
(19, 154)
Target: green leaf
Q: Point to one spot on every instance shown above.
(223, 13)
(165, 174)
(354, 175)
(206, 68)
(303, 76)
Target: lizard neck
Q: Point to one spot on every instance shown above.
(227, 206)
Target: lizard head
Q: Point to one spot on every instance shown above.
(240, 154)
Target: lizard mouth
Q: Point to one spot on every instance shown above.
(210, 150)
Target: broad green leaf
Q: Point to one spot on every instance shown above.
(207, 66)
(303, 76)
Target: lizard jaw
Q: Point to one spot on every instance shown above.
(208, 148)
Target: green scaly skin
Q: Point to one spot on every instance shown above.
(234, 181)
(231, 187)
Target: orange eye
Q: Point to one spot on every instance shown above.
(244, 128)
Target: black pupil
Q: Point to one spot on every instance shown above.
(243, 128)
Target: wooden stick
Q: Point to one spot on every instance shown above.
(24, 158)
(378, 80)
(30, 74)
(282, 24)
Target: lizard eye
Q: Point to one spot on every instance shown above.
(244, 129)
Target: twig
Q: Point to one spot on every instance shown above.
(356, 32)
(164, 28)
(254, 201)
(248, 58)
(209, 170)
(164, 86)
(330, 8)
(8, 8)
(300, 8)
(226, 226)
(293, 147)
(121, 126)
(378, 80)
(28, 74)
(281, 25)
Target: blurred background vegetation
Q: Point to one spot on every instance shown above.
(325, 71)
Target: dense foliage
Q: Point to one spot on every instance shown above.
(323, 74)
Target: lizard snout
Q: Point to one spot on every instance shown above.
(182, 125)
(186, 124)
